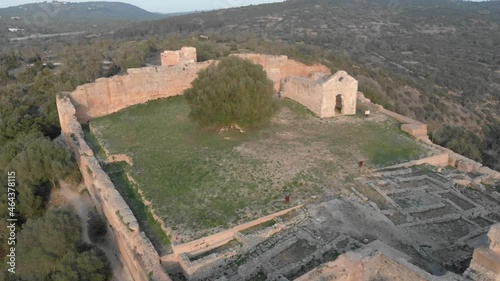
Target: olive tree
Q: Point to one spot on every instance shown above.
(233, 92)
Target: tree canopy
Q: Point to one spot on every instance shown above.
(39, 164)
(52, 243)
(233, 92)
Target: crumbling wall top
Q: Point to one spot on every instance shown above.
(184, 55)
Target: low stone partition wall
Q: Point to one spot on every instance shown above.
(136, 251)
(204, 258)
(419, 131)
(213, 241)
(440, 160)
(436, 160)
(465, 164)
(209, 266)
(413, 127)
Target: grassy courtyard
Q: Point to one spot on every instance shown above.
(200, 181)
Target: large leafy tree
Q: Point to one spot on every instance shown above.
(233, 92)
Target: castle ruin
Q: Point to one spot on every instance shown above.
(391, 193)
(179, 69)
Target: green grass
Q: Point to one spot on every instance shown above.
(118, 175)
(152, 229)
(93, 142)
(198, 179)
(383, 143)
(389, 149)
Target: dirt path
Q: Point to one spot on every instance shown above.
(82, 204)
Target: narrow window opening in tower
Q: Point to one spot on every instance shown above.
(339, 104)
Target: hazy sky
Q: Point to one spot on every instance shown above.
(169, 6)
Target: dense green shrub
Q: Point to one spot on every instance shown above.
(233, 92)
(459, 140)
(375, 96)
(492, 146)
(96, 227)
(52, 243)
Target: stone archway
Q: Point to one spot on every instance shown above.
(339, 104)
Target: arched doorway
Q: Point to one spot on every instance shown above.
(339, 104)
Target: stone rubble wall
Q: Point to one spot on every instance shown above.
(439, 160)
(136, 251)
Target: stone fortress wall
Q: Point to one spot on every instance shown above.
(109, 95)
(136, 251)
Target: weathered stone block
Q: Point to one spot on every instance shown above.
(487, 259)
(415, 129)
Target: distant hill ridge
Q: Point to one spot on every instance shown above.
(58, 10)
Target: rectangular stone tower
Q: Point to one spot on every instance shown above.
(184, 55)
